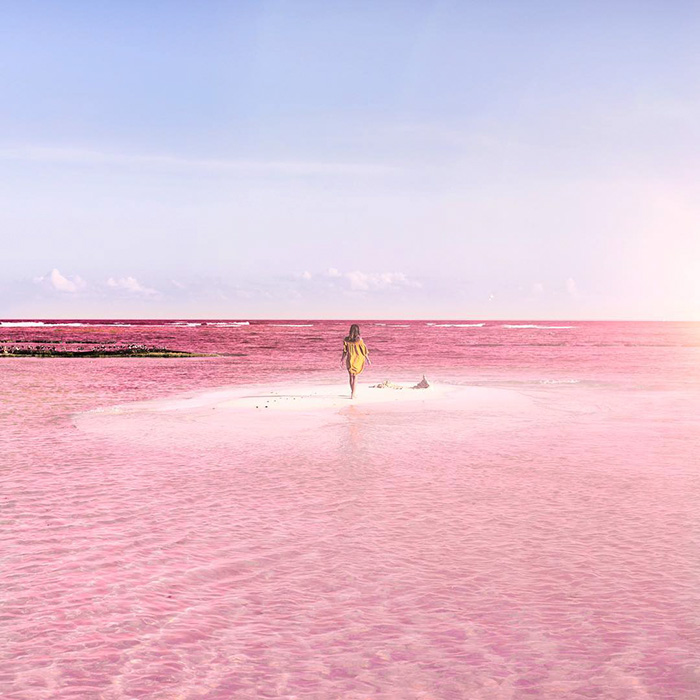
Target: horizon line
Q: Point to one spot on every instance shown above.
(354, 318)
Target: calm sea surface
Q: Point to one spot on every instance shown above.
(551, 550)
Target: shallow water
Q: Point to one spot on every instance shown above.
(548, 547)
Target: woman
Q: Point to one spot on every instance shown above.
(355, 354)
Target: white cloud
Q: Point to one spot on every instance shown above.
(55, 280)
(381, 280)
(571, 287)
(360, 281)
(306, 275)
(538, 289)
(130, 284)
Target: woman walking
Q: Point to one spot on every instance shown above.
(355, 354)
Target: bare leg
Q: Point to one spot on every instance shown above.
(352, 385)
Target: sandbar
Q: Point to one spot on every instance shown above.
(263, 411)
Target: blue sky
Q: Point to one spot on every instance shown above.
(359, 159)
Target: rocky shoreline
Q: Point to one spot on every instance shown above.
(48, 350)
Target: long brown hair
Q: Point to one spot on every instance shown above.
(354, 334)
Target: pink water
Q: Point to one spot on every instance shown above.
(551, 550)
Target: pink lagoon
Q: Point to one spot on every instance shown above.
(232, 525)
(503, 196)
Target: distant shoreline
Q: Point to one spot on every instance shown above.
(47, 352)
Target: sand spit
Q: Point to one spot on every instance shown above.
(331, 397)
(289, 398)
(253, 413)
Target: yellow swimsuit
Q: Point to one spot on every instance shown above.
(356, 355)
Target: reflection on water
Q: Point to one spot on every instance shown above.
(544, 550)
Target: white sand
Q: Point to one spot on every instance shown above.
(285, 397)
(245, 415)
(327, 398)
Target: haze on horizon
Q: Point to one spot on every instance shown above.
(424, 159)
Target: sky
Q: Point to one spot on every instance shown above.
(292, 159)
